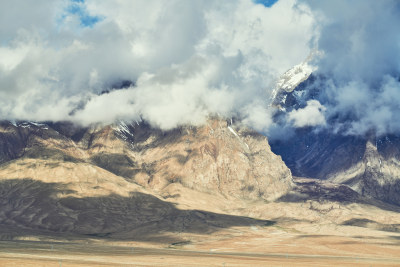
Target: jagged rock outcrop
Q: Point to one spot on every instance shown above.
(376, 176)
(107, 180)
(214, 158)
(370, 164)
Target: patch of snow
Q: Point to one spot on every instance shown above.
(294, 76)
(40, 125)
(283, 101)
(29, 124)
(233, 131)
(123, 129)
(36, 123)
(24, 125)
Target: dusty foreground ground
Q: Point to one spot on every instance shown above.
(237, 246)
(318, 224)
(210, 196)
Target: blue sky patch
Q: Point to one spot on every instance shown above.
(77, 7)
(267, 3)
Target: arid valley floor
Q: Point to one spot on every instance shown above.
(290, 233)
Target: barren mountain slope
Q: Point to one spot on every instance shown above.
(106, 180)
(199, 188)
(369, 164)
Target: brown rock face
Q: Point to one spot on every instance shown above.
(376, 176)
(105, 180)
(214, 158)
(369, 163)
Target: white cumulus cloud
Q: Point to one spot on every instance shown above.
(187, 59)
(311, 115)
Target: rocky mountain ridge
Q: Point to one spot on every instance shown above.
(62, 177)
(368, 164)
(214, 186)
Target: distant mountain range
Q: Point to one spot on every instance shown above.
(369, 164)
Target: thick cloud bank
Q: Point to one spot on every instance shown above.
(187, 59)
(62, 60)
(360, 67)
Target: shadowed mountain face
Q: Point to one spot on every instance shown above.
(214, 158)
(319, 154)
(368, 164)
(122, 181)
(212, 186)
(33, 205)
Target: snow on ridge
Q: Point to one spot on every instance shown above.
(123, 129)
(293, 77)
(240, 140)
(38, 124)
(28, 124)
(233, 131)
